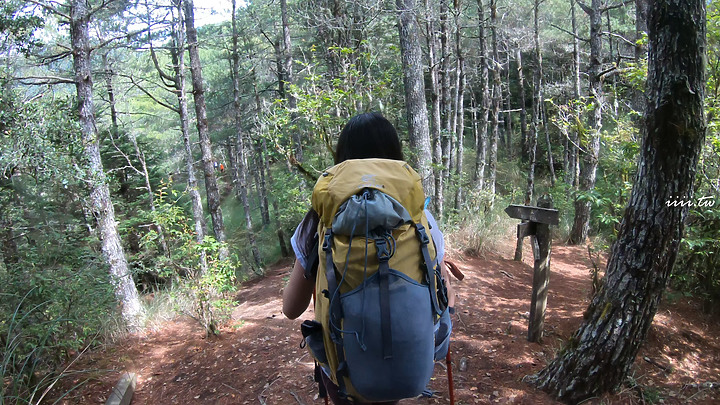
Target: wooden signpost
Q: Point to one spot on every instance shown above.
(538, 224)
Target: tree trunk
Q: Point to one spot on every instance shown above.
(414, 81)
(496, 101)
(241, 184)
(481, 147)
(460, 110)
(288, 70)
(102, 207)
(211, 187)
(551, 163)
(600, 354)
(284, 251)
(523, 110)
(638, 100)
(436, 127)
(588, 166)
(573, 162)
(178, 57)
(508, 104)
(445, 102)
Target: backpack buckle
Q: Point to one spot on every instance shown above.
(383, 253)
(326, 242)
(422, 234)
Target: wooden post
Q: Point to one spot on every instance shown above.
(541, 275)
(536, 223)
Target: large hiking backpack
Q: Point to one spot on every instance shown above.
(379, 289)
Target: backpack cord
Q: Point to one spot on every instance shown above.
(336, 292)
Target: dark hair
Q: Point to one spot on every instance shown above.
(368, 135)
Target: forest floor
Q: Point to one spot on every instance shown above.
(257, 359)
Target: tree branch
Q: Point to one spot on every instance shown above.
(627, 41)
(584, 7)
(128, 35)
(49, 8)
(155, 99)
(164, 76)
(618, 5)
(571, 34)
(44, 80)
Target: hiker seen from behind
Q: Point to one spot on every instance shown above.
(371, 255)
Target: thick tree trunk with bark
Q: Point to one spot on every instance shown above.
(102, 207)
(414, 81)
(484, 105)
(599, 355)
(211, 187)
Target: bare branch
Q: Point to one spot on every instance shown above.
(43, 80)
(50, 8)
(585, 8)
(128, 35)
(618, 5)
(155, 99)
(627, 41)
(571, 34)
(164, 76)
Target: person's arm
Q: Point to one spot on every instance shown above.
(297, 293)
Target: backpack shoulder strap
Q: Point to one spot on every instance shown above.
(429, 266)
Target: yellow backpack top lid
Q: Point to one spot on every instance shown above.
(393, 177)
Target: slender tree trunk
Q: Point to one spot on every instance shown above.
(211, 187)
(284, 251)
(446, 102)
(523, 109)
(481, 149)
(288, 73)
(496, 101)
(508, 104)
(138, 153)
(102, 207)
(588, 166)
(551, 163)
(600, 354)
(241, 184)
(262, 185)
(574, 164)
(193, 190)
(435, 115)
(460, 110)
(415, 92)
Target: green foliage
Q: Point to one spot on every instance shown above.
(57, 297)
(195, 268)
(17, 25)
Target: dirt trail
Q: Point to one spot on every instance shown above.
(257, 358)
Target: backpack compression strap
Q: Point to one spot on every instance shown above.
(429, 266)
(335, 314)
(383, 255)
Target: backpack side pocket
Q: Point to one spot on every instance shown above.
(313, 337)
